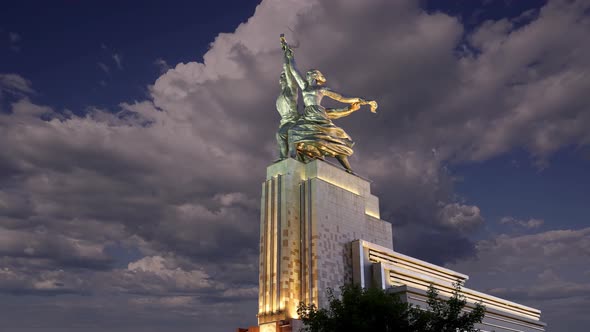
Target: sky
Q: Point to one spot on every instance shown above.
(134, 139)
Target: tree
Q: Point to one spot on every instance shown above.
(376, 310)
(448, 315)
(357, 309)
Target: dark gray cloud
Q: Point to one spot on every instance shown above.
(63, 251)
(176, 178)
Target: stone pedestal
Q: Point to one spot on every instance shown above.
(320, 228)
(311, 213)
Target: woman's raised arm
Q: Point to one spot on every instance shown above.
(338, 97)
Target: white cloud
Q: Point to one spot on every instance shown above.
(118, 60)
(230, 199)
(168, 275)
(461, 217)
(528, 224)
(104, 67)
(15, 84)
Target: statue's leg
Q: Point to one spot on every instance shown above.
(282, 143)
(344, 162)
(301, 156)
(291, 146)
(296, 152)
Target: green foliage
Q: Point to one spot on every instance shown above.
(376, 310)
(357, 309)
(449, 315)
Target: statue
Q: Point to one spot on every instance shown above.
(314, 136)
(287, 107)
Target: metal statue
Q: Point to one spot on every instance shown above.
(314, 136)
(287, 108)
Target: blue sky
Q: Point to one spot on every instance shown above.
(133, 140)
(512, 185)
(61, 44)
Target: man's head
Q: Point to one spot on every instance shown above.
(283, 79)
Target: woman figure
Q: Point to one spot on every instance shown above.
(314, 135)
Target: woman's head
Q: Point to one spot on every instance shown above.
(315, 75)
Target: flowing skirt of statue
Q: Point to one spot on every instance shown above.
(316, 136)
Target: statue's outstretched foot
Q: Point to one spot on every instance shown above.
(278, 160)
(344, 162)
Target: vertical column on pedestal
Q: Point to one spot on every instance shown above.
(278, 307)
(262, 256)
(306, 243)
(270, 248)
(280, 254)
(303, 242)
(263, 271)
(290, 253)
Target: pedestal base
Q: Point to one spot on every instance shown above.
(310, 215)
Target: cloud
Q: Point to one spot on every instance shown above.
(56, 282)
(527, 224)
(162, 65)
(14, 41)
(14, 37)
(461, 217)
(115, 57)
(118, 60)
(176, 177)
(104, 67)
(15, 84)
(156, 275)
(59, 250)
(543, 270)
(535, 83)
(168, 301)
